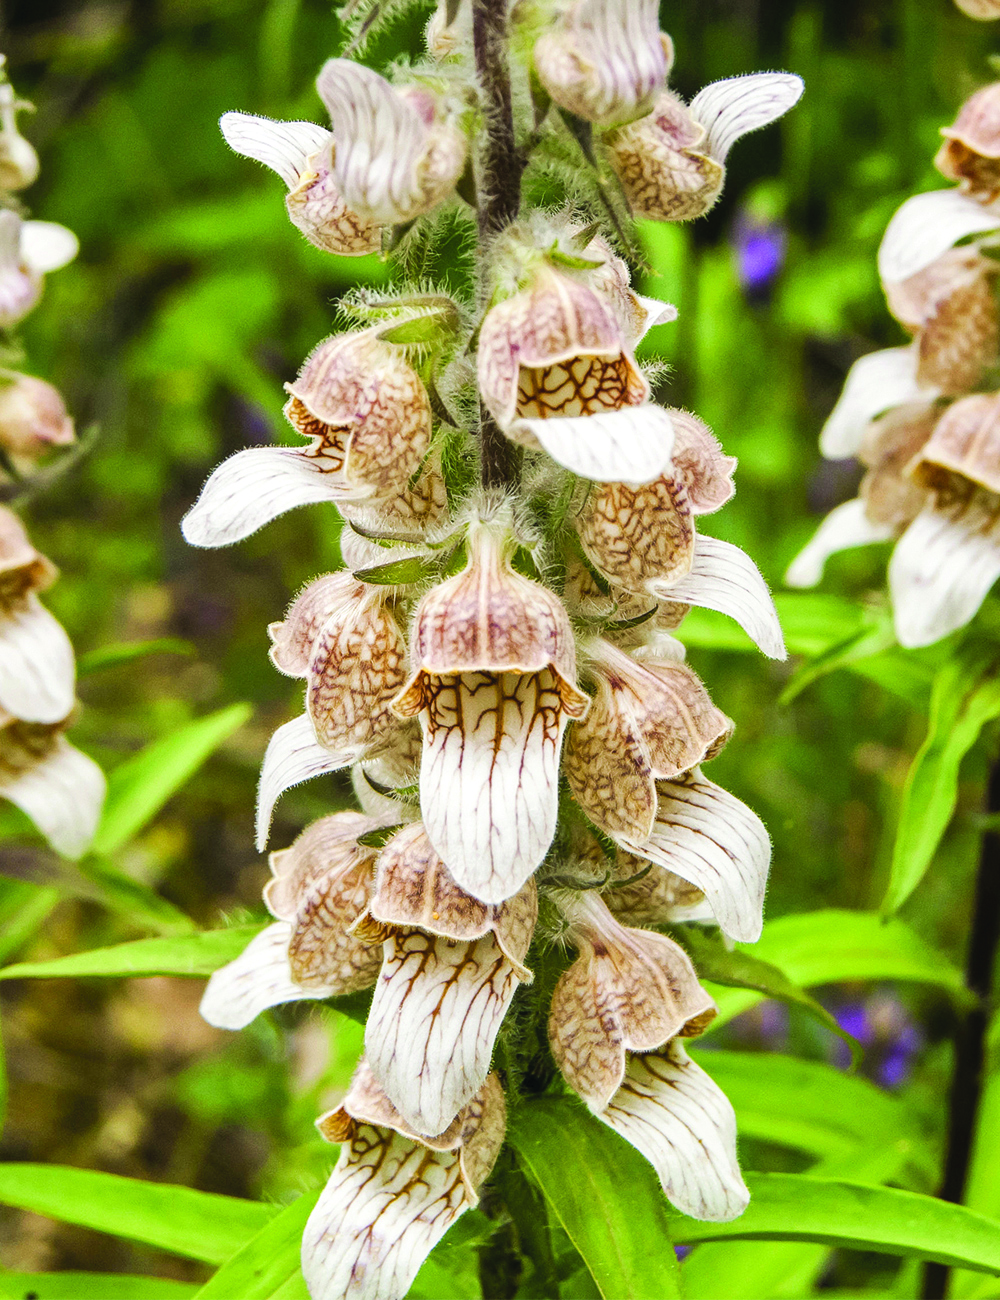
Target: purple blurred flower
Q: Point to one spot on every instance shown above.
(760, 254)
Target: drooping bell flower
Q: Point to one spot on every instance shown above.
(399, 149)
(302, 154)
(644, 896)
(671, 163)
(320, 886)
(33, 419)
(556, 370)
(52, 782)
(28, 251)
(18, 160)
(605, 60)
(970, 154)
(493, 681)
(451, 966)
(366, 416)
(394, 1193)
(343, 638)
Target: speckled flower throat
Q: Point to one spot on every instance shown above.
(494, 665)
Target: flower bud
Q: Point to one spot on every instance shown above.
(971, 150)
(18, 160)
(605, 60)
(494, 683)
(399, 152)
(33, 419)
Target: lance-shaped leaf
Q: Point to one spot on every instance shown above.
(925, 227)
(393, 1194)
(604, 60)
(724, 578)
(845, 526)
(398, 153)
(710, 838)
(648, 721)
(494, 684)
(302, 155)
(677, 1116)
(943, 566)
(874, 384)
(60, 789)
(628, 991)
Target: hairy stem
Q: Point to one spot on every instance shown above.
(966, 1086)
(501, 196)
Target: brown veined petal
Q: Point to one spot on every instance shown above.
(891, 496)
(324, 953)
(965, 440)
(657, 898)
(664, 165)
(699, 461)
(680, 1120)
(960, 336)
(971, 150)
(294, 637)
(437, 1009)
(328, 845)
(628, 990)
(634, 535)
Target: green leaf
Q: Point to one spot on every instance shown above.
(871, 641)
(134, 898)
(830, 945)
(963, 700)
(744, 970)
(24, 910)
(798, 1207)
(426, 328)
(188, 954)
(982, 1192)
(92, 1286)
(140, 786)
(126, 652)
(268, 1261)
(812, 624)
(603, 1193)
(199, 1225)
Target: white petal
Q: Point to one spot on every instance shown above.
(657, 313)
(846, 526)
(46, 246)
(732, 108)
(437, 1008)
(10, 239)
(926, 226)
(725, 579)
(285, 147)
(292, 756)
(631, 446)
(37, 670)
(940, 572)
(380, 140)
(253, 487)
(387, 1203)
(706, 835)
(682, 1122)
(489, 801)
(259, 978)
(874, 383)
(63, 795)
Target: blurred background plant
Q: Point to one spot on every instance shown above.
(191, 301)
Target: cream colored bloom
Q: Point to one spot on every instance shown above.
(970, 154)
(320, 886)
(343, 638)
(18, 160)
(604, 60)
(302, 154)
(451, 966)
(367, 419)
(28, 251)
(394, 1193)
(60, 789)
(671, 163)
(493, 681)
(399, 150)
(33, 419)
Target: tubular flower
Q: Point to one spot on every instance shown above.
(931, 484)
(557, 371)
(451, 966)
(28, 251)
(399, 150)
(33, 419)
(394, 1193)
(320, 886)
(493, 682)
(342, 637)
(605, 60)
(60, 789)
(671, 163)
(366, 416)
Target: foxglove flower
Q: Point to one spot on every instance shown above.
(970, 154)
(18, 160)
(557, 371)
(399, 150)
(654, 897)
(671, 163)
(60, 789)
(451, 966)
(33, 419)
(366, 416)
(303, 155)
(343, 638)
(605, 60)
(320, 886)
(28, 251)
(394, 1193)
(493, 681)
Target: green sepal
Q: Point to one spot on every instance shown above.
(399, 573)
